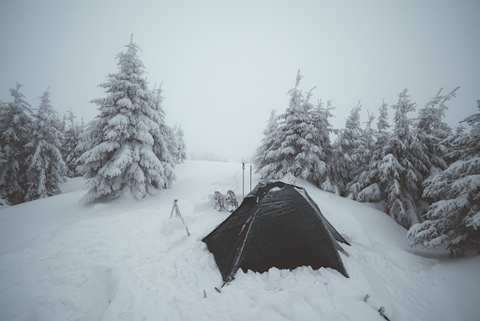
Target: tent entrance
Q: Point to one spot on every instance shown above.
(299, 256)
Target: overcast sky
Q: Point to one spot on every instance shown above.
(226, 64)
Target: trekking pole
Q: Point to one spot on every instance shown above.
(243, 180)
(177, 213)
(250, 178)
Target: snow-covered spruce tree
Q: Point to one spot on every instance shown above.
(348, 151)
(396, 170)
(323, 175)
(83, 137)
(262, 159)
(125, 145)
(362, 154)
(378, 139)
(431, 131)
(369, 132)
(172, 144)
(181, 149)
(63, 129)
(275, 162)
(15, 130)
(161, 141)
(46, 167)
(382, 125)
(454, 218)
(381, 136)
(365, 149)
(70, 142)
(450, 142)
(299, 154)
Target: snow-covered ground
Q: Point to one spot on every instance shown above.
(127, 260)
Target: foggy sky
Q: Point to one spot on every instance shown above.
(226, 64)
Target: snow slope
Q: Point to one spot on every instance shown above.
(127, 260)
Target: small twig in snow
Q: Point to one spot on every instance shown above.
(382, 311)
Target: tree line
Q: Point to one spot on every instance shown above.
(425, 174)
(126, 149)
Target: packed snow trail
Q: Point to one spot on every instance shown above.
(126, 260)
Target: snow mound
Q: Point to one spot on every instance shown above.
(171, 226)
(203, 204)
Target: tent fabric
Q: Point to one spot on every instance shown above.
(277, 225)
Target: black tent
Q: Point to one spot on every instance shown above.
(279, 225)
